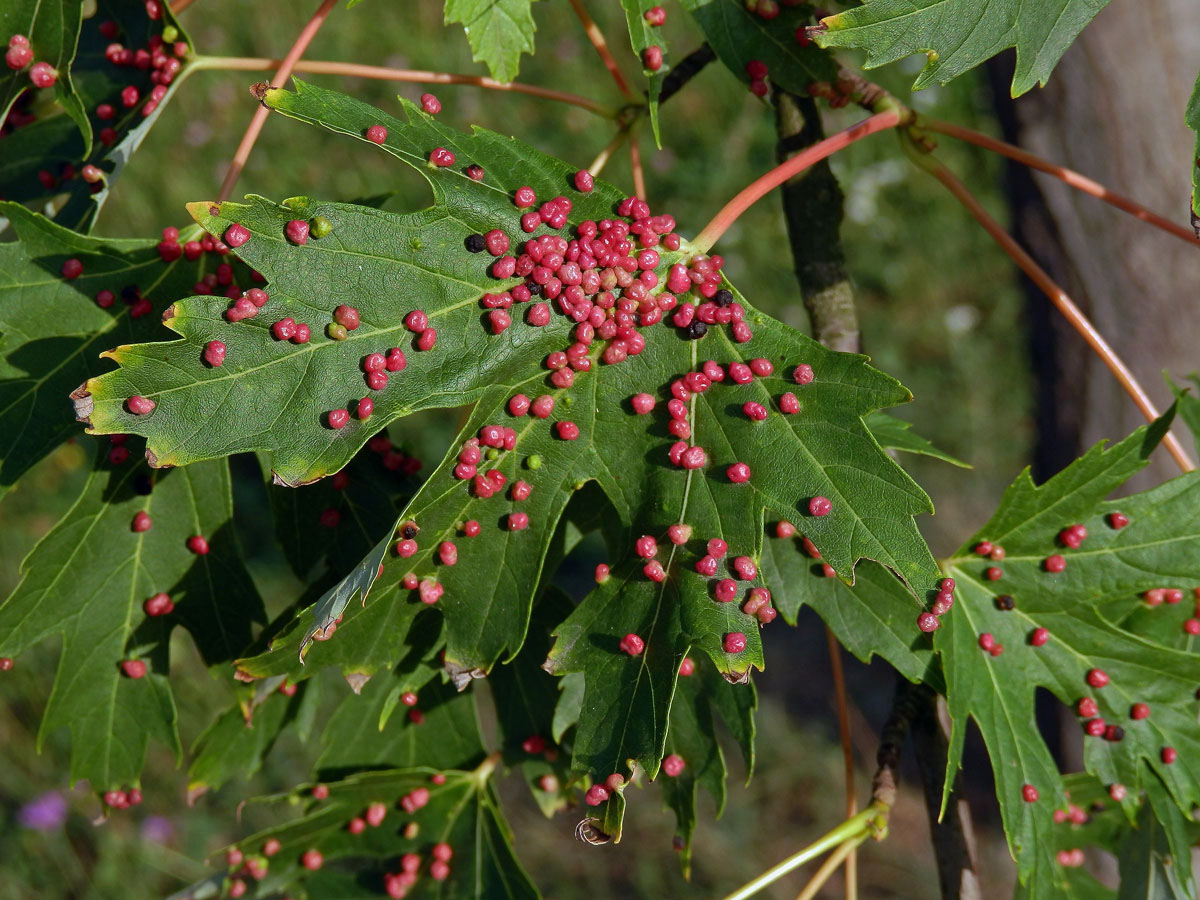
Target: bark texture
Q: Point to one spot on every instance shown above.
(1113, 110)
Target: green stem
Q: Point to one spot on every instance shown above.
(858, 826)
(829, 867)
(484, 770)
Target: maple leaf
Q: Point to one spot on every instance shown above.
(52, 330)
(87, 581)
(739, 35)
(1079, 608)
(238, 740)
(374, 259)
(1188, 403)
(960, 34)
(461, 811)
(702, 698)
(52, 30)
(499, 31)
(641, 36)
(525, 697)
(1149, 835)
(896, 434)
(442, 756)
(1192, 118)
(44, 158)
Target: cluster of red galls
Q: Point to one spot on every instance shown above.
(396, 884)
(20, 55)
(122, 799)
(1088, 710)
(161, 58)
(1094, 724)
(159, 604)
(929, 621)
(1075, 815)
(725, 590)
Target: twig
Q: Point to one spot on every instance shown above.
(609, 149)
(415, 76)
(844, 852)
(596, 36)
(953, 842)
(635, 163)
(260, 115)
(757, 189)
(180, 5)
(1067, 176)
(813, 210)
(914, 708)
(685, 70)
(861, 824)
(1056, 294)
(839, 689)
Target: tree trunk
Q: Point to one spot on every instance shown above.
(1113, 110)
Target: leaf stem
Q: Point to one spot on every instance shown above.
(606, 153)
(260, 115)
(844, 852)
(415, 76)
(596, 36)
(1067, 176)
(180, 5)
(843, 713)
(484, 770)
(860, 825)
(744, 199)
(635, 163)
(1057, 296)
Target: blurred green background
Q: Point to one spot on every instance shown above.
(940, 311)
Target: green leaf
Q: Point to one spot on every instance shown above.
(896, 434)
(958, 35)
(87, 581)
(444, 735)
(499, 31)
(642, 35)
(52, 331)
(51, 143)
(462, 811)
(692, 736)
(335, 522)
(239, 739)
(373, 258)
(526, 696)
(569, 705)
(1160, 547)
(1192, 119)
(873, 616)
(372, 637)
(1188, 400)
(738, 35)
(53, 31)
(1156, 858)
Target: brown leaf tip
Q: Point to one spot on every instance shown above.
(462, 676)
(83, 404)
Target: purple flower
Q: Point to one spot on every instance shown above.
(158, 829)
(46, 813)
